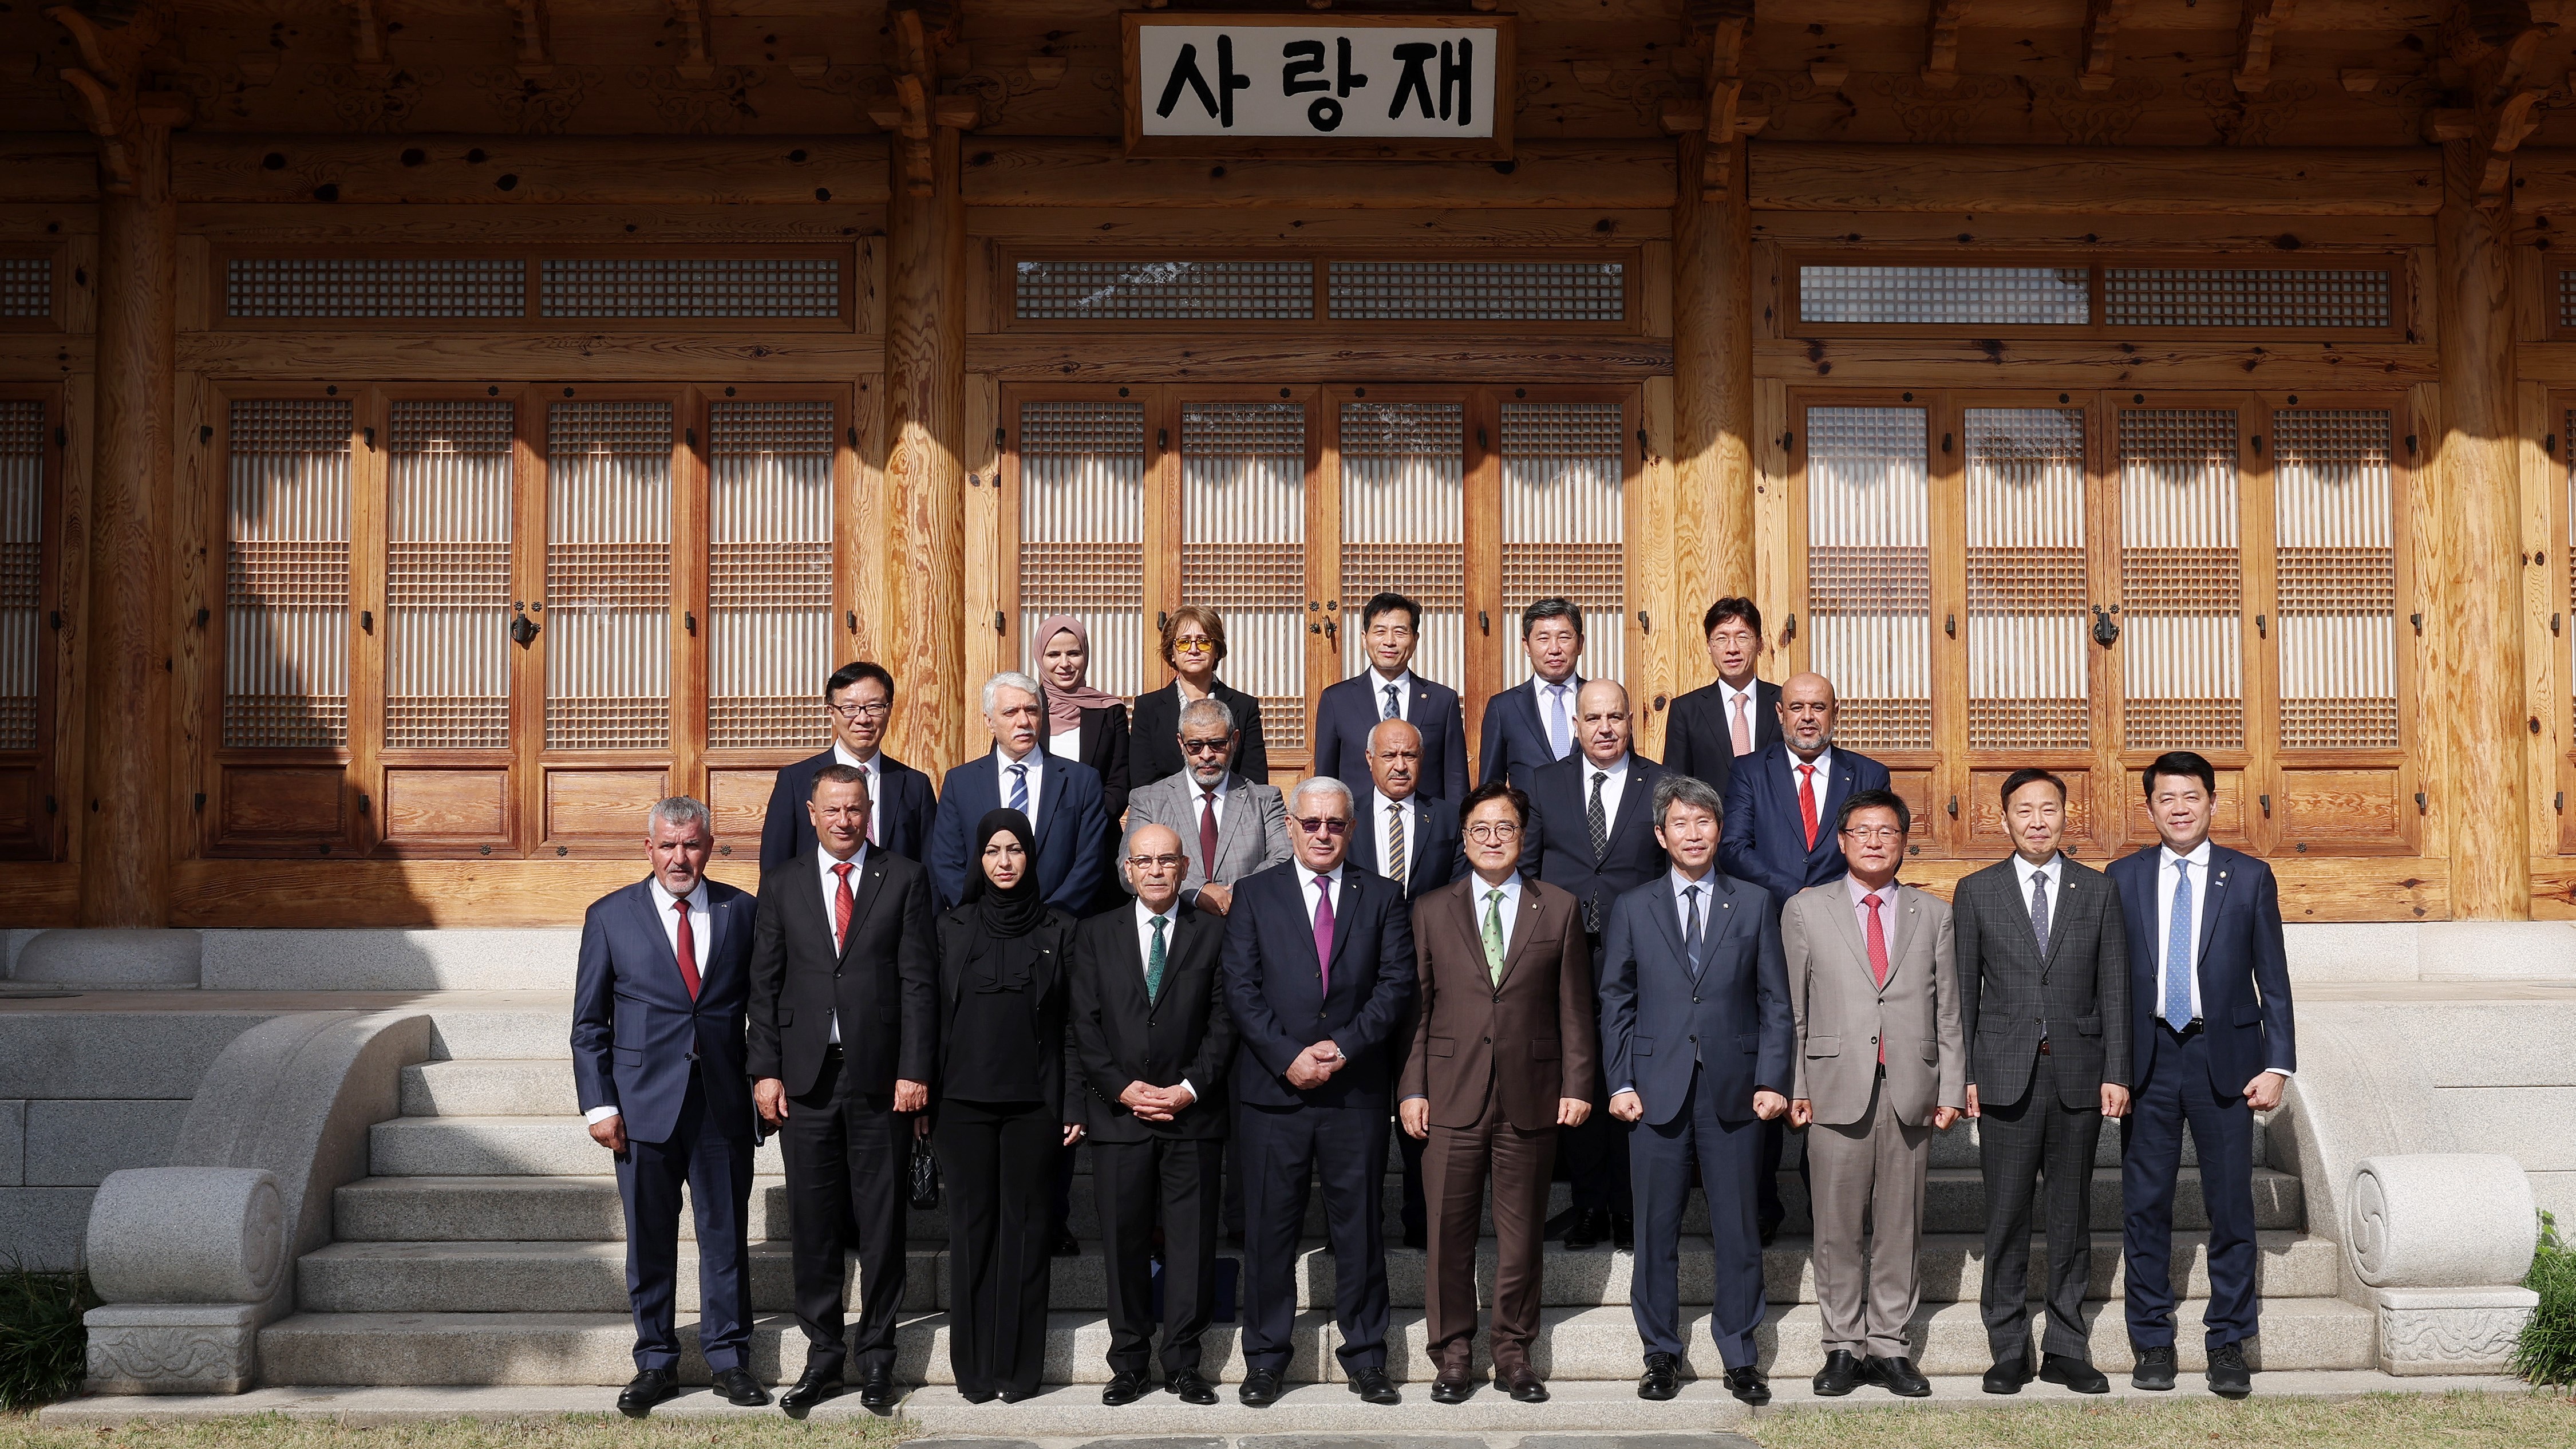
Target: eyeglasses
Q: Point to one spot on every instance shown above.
(1873, 832)
(1491, 833)
(1321, 825)
(1194, 646)
(1157, 862)
(874, 709)
(1205, 747)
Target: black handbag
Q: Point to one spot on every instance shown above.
(925, 1176)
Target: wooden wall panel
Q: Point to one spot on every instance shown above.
(1049, 172)
(1981, 810)
(2233, 818)
(739, 799)
(281, 803)
(435, 805)
(216, 166)
(2083, 181)
(601, 803)
(2343, 810)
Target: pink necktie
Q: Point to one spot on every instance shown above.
(1324, 932)
(1742, 729)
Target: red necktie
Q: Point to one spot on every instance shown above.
(1877, 959)
(1807, 801)
(688, 948)
(841, 906)
(1207, 835)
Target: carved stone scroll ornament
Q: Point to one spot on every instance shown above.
(2440, 1243)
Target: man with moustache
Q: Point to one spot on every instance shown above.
(1229, 824)
(1529, 725)
(1061, 798)
(1720, 723)
(2043, 1004)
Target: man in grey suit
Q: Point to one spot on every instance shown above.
(1880, 1067)
(2043, 971)
(1230, 827)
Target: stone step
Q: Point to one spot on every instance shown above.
(501, 1146)
(1573, 1344)
(591, 1277)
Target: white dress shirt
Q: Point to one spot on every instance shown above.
(1611, 789)
(876, 779)
(1403, 683)
(700, 933)
(2054, 873)
(1547, 696)
(1223, 789)
(1145, 952)
(1306, 888)
(858, 863)
(1002, 763)
(1509, 907)
(1379, 818)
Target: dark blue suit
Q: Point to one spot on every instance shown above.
(674, 1069)
(1283, 1002)
(1435, 854)
(904, 816)
(1694, 1048)
(1352, 707)
(1070, 824)
(2199, 1078)
(1513, 741)
(1764, 839)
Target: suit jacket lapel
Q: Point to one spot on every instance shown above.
(1524, 926)
(1633, 804)
(1838, 788)
(1848, 927)
(1668, 919)
(1900, 910)
(1464, 893)
(2213, 896)
(863, 892)
(1230, 821)
(719, 930)
(2068, 900)
(646, 904)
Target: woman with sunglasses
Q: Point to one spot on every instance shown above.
(1193, 645)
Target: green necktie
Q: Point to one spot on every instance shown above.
(1494, 936)
(1154, 962)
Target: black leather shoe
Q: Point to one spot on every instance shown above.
(1066, 1246)
(1446, 1390)
(1558, 1224)
(1898, 1377)
(647, 1388)
(1623, 1232)
(739, 1387)
(810, 1389)
(1587, 1230)
(1417, 1238)
(1840, 1375)
(1192, 1386)
(1124, 1389)
(2074, 1373)
(1662, 1378)
(878, 1394)
(1259, 1390)
(1374, 1387)
(1528, 1387)
(2008, 1375)
(1748, 1384)
(2155, 1369)
(2229, 1378)
(1020, 1396)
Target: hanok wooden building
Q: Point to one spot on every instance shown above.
(432, 429)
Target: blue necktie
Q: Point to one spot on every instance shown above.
(1557, 729)
(1020, 788)
(2178, 952)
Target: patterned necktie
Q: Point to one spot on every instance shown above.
(1807, 801)
(1397, 856)
(1694, 934)
(1558, 731)
(2178, 952)
(1020, 788)
(1494, 936)
(1154, 962)
(842, 904)
(1390, 703)
(1742, 729)
(1324, 933)
(1207, 835)
(1596, 817)
(688, 948)
(2039, 908)
(1877, 959)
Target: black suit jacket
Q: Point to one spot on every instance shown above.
(1699, 740)
(1352, 707)
(962, 939)
(1104, 747)
(1154, 749)
(1557, 848)
(884, 980)
(1512, 743)
(1184, 1034)
(1281, 1003)
(2011, 996)
(1437, 855)
(903, 816)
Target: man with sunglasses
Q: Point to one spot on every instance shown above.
(1230, 826)
(857, 702)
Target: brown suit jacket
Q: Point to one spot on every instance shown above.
(1534, 1028)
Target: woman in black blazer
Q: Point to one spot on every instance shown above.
(1089, 725)
(1003, 1113)
(1194, 645)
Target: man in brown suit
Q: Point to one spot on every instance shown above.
(1881, 1066)
(1502, 1056)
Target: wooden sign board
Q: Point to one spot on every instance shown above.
(1393, 87)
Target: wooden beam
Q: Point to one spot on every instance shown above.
(48, 166)
(2027, 362)
(560, 170)
(1052, 172)
(2102, 20)
(1246, 355)
(2129, 180)
(2257, 23)
(1941, 43)
(527, 356)
(925, 384)
(2499, 106)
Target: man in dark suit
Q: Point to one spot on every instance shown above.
(1529, 725)
(1318, 975)
(2043, 957)
(1594, 837)
(1389, 689)
(1696, 1033)
(2210, 1044)
(1501, 1057)
(657, 1060)
(1154, 1040)
(857, 700)
(1716, 724)
(844, 1016)
(1061, 797)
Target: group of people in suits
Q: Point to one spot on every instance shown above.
(1650, 972)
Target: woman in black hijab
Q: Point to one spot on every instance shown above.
(1003, 1112)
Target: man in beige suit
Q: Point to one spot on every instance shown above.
(1881, 1066)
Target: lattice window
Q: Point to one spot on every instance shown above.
(286, 577)
(2181, 585)
(1404, 485)
(1946, 295)
(2567, 299)
(2335, 562)
(447, 574)
(2247, 297)
(781, 287)
(356, 287)
(1565, 525)
(1243, 549)
(1479, 291)
(22, 551)
(1869, 571)
(26, 286)
(1133, 291)
(769, 573)
(2026, 579)
(1082, 540)
(608, 575)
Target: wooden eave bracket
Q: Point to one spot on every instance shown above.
(1717, 32)
(107, 90)
(367, 41)
(2257, 23)
(914, 105)
(694, 22)
(528, 37)
(2504, 107)
(1941, 43)
(2102, 20)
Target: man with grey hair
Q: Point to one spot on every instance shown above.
(1229, 826)
(1061, 798)
(658, 1066)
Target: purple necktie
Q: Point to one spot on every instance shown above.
(1324, 932)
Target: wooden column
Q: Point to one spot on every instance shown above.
(2480, 666)
(1712, 392)
(925, 352)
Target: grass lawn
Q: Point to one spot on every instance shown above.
(2382, 1421)
(769, 1431)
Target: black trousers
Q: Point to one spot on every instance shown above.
(846, 1157)
(998, 1162)
(1134, 1183)
(1283, 1151)
(2024, 1144)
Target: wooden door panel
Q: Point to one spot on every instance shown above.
(279, 804)
(1983, 815)
(2345, 810)
(435, 805)
(600, 804)
(739, 800)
